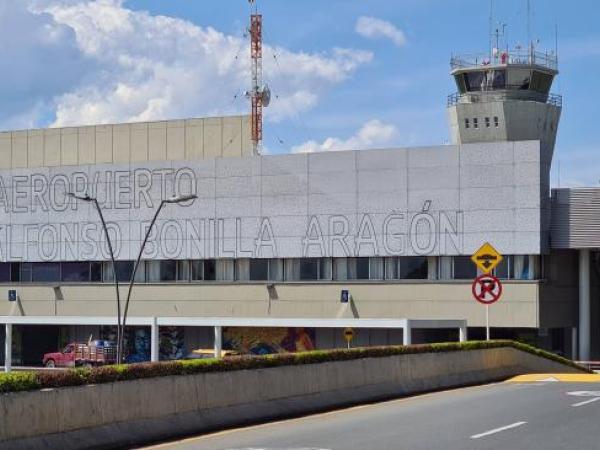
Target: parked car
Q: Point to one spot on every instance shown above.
(208, 353)
(94, 353)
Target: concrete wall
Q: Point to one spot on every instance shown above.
(118, 415)
(518, 307)
(189, 139)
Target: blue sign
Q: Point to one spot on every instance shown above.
(345, 297)
(12, 295)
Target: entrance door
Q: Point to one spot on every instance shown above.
(37, 340)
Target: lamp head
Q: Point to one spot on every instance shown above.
(181, 198)
(85, 198)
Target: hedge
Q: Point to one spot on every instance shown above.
(27, 381)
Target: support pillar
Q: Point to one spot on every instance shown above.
(574, 332)
(218, 341)
(407, 334)
(8, 348)
(462, 334)
(154, 341)
(584, 305)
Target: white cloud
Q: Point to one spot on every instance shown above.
(373, 28)
(371, 134)
(119, 65)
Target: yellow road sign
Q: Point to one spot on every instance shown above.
(487, 258)
(348, 334)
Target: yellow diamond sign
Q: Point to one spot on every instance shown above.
(487, 258)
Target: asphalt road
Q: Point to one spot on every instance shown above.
(528, 416)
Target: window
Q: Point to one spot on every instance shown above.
(5, 272)
(259, 269)
(391, 268)
(124, 270)
(464, 269)
(96, 271)
(475, 81)
(504, 269)
(209, 270)
(75, 271)
(496, 121)
(45, 272)
(475, 122)
(413, 267)
(15, 272)
(487, 122)
(157, 271)
(225, 270)
(197, 270)
(467, 123)
(183, 270)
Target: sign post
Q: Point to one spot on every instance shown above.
(486, 288)
(348, 335)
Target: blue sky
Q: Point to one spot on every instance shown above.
(335, 85)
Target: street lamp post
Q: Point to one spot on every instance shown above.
(175, 200)
(89, 199)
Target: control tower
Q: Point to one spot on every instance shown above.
(505, 96)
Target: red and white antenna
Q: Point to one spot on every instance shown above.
(259, 94)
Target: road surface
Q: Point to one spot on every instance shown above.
(520, 415)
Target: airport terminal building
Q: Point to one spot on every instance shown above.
(280, 253)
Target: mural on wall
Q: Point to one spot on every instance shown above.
(136, 342)
(262, 341)
(171, 343)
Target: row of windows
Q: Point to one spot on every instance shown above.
(487, 122)
(277, 270)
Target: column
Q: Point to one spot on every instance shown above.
(407, 334)
(8, 348)
(574, 334)
(462, 334)
(154, 340)
(218, 341)
(584, 305)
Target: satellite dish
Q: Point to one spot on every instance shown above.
(266, 95)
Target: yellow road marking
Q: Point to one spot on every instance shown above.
(562, 377)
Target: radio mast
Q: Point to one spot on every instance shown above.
(259, 94)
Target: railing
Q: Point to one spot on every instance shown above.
(517, 56)
(496, 96)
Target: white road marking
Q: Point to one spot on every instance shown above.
(592, 400)
(498, 430)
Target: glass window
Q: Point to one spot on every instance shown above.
(499, 79)
(325, 269)
(340, 269)
(464, 268)
(45, 272)
(168, 270)
(183, 270)
(467, 123)
(75, 271)
(124, 270)
(525, 267)
(96, 271)
(259, 269)
(475, 81)
(541, 82)
(225, 269)
(496, 121)
(358, 268)
(413, 267)
(26, 272)
(487, 122)
(475, 122)
(15, 272)
(276, 269)
(5, 272)
(309, 269)
(376, 268)
(197, 270)
(504, 269)
(391, 268)
(460, 83)
(210, 270)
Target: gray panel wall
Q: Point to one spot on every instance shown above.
(420, 201)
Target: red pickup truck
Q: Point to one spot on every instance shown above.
(94, 353)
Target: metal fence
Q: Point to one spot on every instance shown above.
(516, 56)
(498, 96)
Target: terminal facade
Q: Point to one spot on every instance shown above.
(280, 253)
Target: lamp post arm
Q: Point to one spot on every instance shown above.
(136, 265)
(114, 269)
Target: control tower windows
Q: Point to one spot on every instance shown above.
(475, 122)
(483, 80)
(487, 122)
(496, 121)
(467, 123)
(541, 82)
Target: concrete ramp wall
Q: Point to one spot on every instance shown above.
(127, 413)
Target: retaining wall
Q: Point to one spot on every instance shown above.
(122, 414)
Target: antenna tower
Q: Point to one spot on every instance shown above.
(256, 93)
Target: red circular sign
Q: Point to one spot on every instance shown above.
(487, 289)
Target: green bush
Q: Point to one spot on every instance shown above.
(26, 381)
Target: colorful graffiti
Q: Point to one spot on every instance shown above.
(262, 341)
